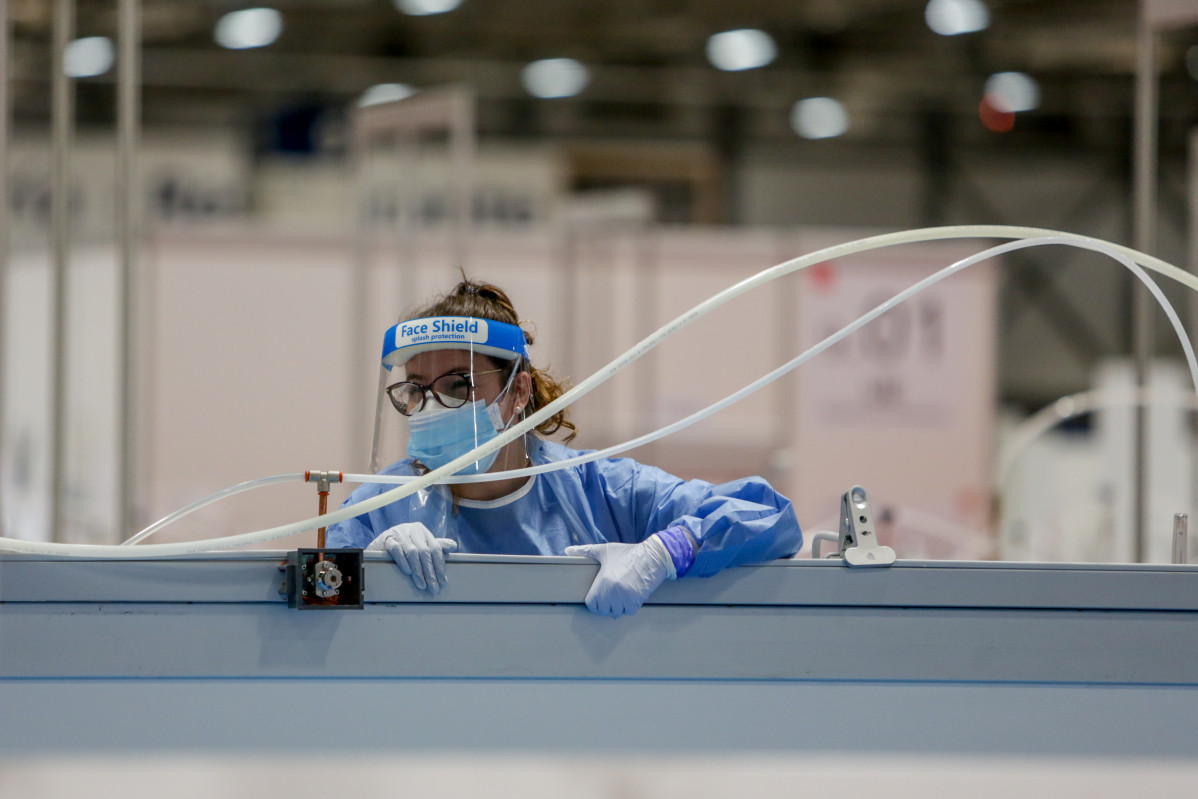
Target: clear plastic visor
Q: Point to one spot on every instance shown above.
(389, 442)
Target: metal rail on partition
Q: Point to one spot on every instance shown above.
(791, 657)
(787, 621)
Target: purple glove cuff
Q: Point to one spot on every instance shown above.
(678, 544)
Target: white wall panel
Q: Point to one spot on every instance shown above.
(249, 367)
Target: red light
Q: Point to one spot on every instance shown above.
(994, 117)
(823, 276)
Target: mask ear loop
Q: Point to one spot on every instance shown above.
(474, 416)
(507, 386)
(524, 415)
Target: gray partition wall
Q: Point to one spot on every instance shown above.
(922, 657)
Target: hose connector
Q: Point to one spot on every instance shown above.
(323, 479)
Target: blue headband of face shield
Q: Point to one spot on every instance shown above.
(483, 336)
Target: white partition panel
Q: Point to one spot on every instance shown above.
(732, 346)
(90, 468)
(905, 406)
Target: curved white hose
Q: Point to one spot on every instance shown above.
(596, 379)
(698, 416)
(1083, 402)
(208, 500)
(794, 363)
(694, 418)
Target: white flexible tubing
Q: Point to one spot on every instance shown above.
(768, 378)
(674, 427)
(1083, 402)
(208, 500)
(805, 356)
(647, 438)
(816, 349)
(585, 387)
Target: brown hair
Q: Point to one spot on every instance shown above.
(486, 301)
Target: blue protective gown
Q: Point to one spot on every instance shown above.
(612, 500)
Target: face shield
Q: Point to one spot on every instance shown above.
(410, 338)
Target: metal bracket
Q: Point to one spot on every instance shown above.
(858, 539)
(858, 542)
(324, 578)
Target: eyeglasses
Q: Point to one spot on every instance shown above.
(452, 391)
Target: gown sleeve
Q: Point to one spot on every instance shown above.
(353, 532)
(359, 531)
(743, 521)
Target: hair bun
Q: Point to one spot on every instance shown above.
(487, 301)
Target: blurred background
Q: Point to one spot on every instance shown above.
(200, 264)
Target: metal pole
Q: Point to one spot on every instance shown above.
(62, 111)
(1181, 525)
(5, 33)
(1193, 300)
(359, 294)
(1145, 241)
(461, 142)
(128, 228)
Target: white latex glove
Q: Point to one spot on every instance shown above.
(628, 574)
(418, 553)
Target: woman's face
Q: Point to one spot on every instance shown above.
(426, 367)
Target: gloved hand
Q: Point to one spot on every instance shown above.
(628, 574)
(418, 553)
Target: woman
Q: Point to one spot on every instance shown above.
(461, 373)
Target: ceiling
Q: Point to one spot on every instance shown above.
(649, 74)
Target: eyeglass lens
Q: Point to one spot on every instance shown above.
(451, 390)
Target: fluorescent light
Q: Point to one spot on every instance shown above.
(1013, 91)
(88, 57)
(422, 8)
(747, 48)
(385, 93)
(953, 17)
(252, 27)
(819, 118)
(555, 77)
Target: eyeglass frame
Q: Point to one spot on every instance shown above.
(425, 390)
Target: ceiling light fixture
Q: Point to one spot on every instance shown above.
(385, 93)
(954, 17)
(819, 118)
(555, 77)
(748, 48)
(423, 8)
(88, 57)
(1013, 91)
(251, 27)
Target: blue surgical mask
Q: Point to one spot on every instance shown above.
(440, 435)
